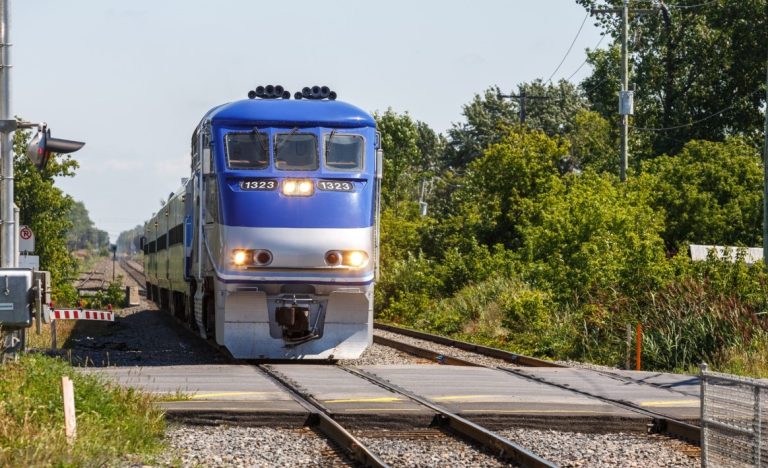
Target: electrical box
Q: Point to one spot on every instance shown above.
(15, 298)
(627, 103)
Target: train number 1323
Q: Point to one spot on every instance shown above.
(335, 186)
(258, 184)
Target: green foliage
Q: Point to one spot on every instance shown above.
(711, 193)
(499, 191)
(522, 251)
(591, 235)
(488, 116)
(41, 206)
(592, 144)
(690, 70)
(111, 421)
(113, 296)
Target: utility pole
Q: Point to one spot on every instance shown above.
(521, 98)
(7, 258)
(626, 97)
(625, 112)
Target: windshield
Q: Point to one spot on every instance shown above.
(296, 152)
(344, 152)
(247, 151)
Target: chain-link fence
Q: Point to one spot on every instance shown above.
(734, 420)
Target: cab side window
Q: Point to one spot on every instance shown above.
(344, 152)
(247, 150)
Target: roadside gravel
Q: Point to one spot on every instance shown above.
(573, 449)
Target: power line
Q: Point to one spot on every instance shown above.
(695, 122)
(681, 7)
(578, 33)
(586, 59)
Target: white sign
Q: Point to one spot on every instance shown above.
(26, 239)
(29, 261)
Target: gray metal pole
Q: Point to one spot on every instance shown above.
(7, 259)
(765, 174)
(624, 87)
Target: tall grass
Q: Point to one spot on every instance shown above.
(111, 421)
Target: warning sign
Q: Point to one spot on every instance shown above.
(26, 239)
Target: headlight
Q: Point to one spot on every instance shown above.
(298, 187)
(355, 258)
(241, 256)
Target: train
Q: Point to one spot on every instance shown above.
(270, 248)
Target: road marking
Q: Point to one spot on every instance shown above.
(366, 400)
(686, 403)
(348, 410)
(224, 394)
(469, 397)
(563, 411)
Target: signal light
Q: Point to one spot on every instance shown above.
(269, 92)
(43, 145)
(316, 93)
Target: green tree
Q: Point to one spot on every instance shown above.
(711, 193)
(41, 205)
(698, 75)
(411, 155)
(593, 145)
(499, 188)
(489, 114)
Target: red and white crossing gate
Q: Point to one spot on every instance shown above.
(80, 314)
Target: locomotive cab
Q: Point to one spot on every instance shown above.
(283, 262)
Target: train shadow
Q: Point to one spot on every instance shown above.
(142, 338)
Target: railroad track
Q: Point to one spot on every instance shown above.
(661, 423)
(450, 423)
(91, 281)
(133, 271)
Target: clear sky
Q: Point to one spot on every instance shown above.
(133, 78)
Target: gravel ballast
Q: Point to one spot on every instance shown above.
(226, 446)
(446, 350)
(573, 449)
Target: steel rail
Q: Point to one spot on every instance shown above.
(510, 357)
(661, 422)
(500, 446)
(134, 273)
(320, 418)
(422, 352)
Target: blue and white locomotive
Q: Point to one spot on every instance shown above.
(271, 246)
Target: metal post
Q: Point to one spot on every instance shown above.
(522, 106)
(624, 87)
(765, 174)
(703, 415)
(756, 420)
(6, 257)
(628, 365)
(53, 333)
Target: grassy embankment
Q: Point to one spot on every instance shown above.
(111, 421)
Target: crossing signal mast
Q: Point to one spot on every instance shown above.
(20, 284)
